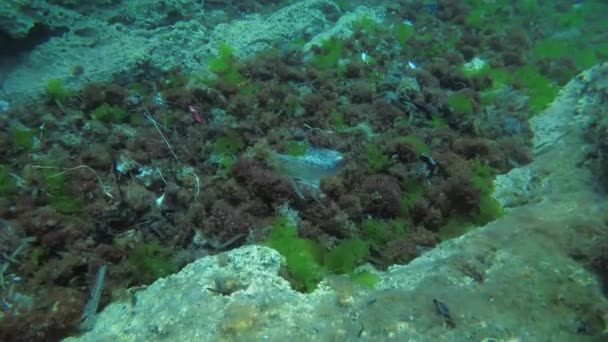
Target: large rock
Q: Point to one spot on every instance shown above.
(113, 40)
(18, 17)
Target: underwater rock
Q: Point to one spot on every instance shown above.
(559, 139)
(17, 24)
(144, 33)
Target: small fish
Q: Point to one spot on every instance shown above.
(431, 164)
(158, 99)
(4, 106)
(196, 115)
(443, 310)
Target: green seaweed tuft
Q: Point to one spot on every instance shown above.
(413, 191)
(540, 89)
(150, 261)
(402, 33)
(379, 232)
(307, 262)
(437, 121)
(377, 161)
(417, 143)
(56, 91)
(7, 184)
(224, 65)
(337, 119)
(328, 58)
(366, 25)
(488, 208)
(67, 204)
(347, 255)
(110, 114)
(224, 164)
(223, 62)
(461, 104)
(23, 137)
(303, 257)
(55, 183)
(228, 144)
(365, 278)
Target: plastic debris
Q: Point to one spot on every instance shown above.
(310, 167)
(159, 201)
(365, 57)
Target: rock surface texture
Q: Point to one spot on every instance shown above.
(151, 36)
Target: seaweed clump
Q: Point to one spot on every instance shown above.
(307, 262)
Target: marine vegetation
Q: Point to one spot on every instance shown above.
(150, 170)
